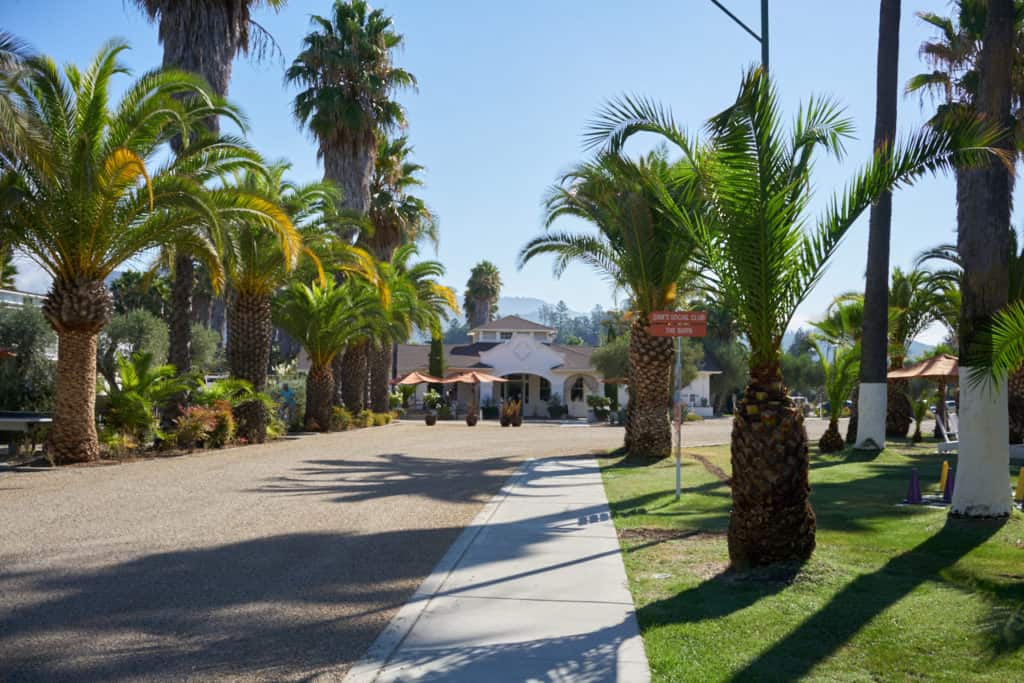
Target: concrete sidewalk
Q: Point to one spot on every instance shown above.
(533, 590)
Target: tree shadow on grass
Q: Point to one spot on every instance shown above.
(864, 598)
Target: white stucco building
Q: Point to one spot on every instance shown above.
(524, 352)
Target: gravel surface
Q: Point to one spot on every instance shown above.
(273, 562)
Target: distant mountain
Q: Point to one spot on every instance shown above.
(916, 348)
(526, 307)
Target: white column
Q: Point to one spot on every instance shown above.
(982, 484)
(871, 410)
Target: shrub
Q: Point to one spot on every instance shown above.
(431, 400)
(207, 353)
(341, 419)
(395, 400)
(195, 426)
(27, 380)
(693, 417)
(381, 419)
(444, 413)
(224, 425)
(364, 418)
(127, 333)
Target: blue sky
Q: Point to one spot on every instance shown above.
(506, 90)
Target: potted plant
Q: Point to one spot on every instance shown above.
(431, 399)
(600, 405)
(515, 413)
(555, 407)
(489, 410)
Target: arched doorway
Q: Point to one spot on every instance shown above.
(577, 388)
(533, 390)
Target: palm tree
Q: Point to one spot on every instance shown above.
(483, 288)
(415, 299)
(89, 197)
(840, 373)
(349, 83)
(637, 249)
(202, 37)
(873, 366)
(397, 217)
(843, 324)
(323, 318)
(984, 199)
(8, 271)
(912, 308)
(766, 255)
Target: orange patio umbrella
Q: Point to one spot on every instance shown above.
(5, 353)
(417, 377)
(938, 367)
(473, 377)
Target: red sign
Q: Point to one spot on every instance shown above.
(685, 317)
(678, 330)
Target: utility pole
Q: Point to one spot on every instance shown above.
(762, 38)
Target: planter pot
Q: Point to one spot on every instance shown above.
(471, 420)
(505, 421)
(430, 419)
(517, 421)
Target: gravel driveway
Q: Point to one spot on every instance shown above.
(274, 562)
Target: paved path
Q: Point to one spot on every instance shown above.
(274, 562)
(534, 590)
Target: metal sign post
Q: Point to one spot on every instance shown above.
(678, 324)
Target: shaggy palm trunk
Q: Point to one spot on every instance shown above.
(77, 311)
(1015, 403)
(899, 412)
(832, 441)
(648, 434)
(481, 313)
(380, 370)
(180, 342)
(249, 334)
(353, 376)
(983, 230)
(772, 520)
(874, 342)
(319, 398)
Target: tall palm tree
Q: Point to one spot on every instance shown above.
(873, 385)
(322, 318)
(483, 288)
(415, 299)
(397, 217)
(984, 199)
(348, 83)
(8, 271)
(637, 249)
(90, 196)
(766, 254)
(202, 37)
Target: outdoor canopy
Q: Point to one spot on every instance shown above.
(473, 377)
(937, 367)
(418, 378)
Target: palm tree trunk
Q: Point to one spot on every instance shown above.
(180, 343)
(874, 356)
(851, 426)
(983, 230)
(772, 520)
(319, 398)
(899, 413)
(380, 367)
(248, 351)
(649, 434)
(73, 433)
(832, 441)
(350, 166)
(77, 311)
(353, 373)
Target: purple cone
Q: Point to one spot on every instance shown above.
(914, 490)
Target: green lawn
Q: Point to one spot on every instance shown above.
(891, 594)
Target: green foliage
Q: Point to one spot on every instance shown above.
(457, 332)
(598, 401)
(207, 354)
(802, 374)
(27, 380)
(131, 403)
(747, 188)
(611, 359)
(692, 417)
(381, 419)
(8, 271)
(364, 418)
(194, 426)
(133, 290)
(234, 392)
(435, 358)
(572, 330)
(483, 288)
(691, 354)
(224, 426)
(128, 333)
(341, 419)
(431, 400)
(841, 370)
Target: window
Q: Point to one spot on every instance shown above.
(578, 389)
(506, 335)
(517, 388)
(545, 390)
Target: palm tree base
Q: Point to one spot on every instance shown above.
(251, 418)
(899, 414)
(353, 369)
(772, 520)
(832, 441)
(648, 433)
(319, 399)
(72, 436)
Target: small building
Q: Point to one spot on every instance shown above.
(537, 368)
